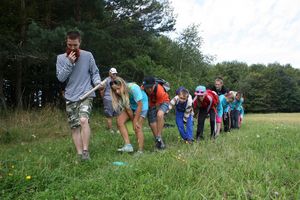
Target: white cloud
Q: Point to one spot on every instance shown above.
(252, 31)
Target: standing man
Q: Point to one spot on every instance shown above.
(107, 102)
(78, 69)
(158, 106)
(220, 89)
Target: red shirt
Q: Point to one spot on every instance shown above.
(207, 103)
(158, 97)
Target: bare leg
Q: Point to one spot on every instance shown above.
(121, 120)
(160, 122)
(77, 139)
(153, 127)
(85, 132)
(140, 135)
(109, 123)
(218, 129)
(157, 128)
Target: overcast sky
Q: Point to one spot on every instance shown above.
(252, 31)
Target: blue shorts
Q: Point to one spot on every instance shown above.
(152, 112)
(143, 113)
(108, 108)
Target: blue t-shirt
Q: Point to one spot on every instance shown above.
(223, 106)
(237, 105)
(135, 95)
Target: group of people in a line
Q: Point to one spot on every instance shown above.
(129, 101)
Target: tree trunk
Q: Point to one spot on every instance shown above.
(2, 97)
(19, 85)
(20, 63)
(78, 11)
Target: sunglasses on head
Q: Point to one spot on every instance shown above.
(115, 82)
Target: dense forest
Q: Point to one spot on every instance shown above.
(131, 35)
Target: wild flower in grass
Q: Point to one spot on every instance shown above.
(12, 166)
(28, 177)
(33, 136)
(180, 158)
(258, 136)
(10, 174)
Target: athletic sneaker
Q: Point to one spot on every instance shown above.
(159, 143)
(85, 155)
(126, 148)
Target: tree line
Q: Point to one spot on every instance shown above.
(132, 36)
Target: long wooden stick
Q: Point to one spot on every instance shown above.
(89, 92)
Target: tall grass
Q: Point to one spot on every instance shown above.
(24, 126)
(259, 161)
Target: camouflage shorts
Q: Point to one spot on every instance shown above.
(77, 110)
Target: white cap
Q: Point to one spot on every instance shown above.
(113, 70)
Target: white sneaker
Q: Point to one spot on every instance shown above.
(126, 148)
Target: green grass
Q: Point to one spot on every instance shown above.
(259, 161)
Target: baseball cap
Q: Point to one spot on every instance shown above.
(113, 70)
(148, 82)
(200, 90)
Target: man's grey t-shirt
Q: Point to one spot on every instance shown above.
(106, 85)
(79, 76)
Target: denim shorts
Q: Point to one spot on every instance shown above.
(143, 113)
(152, 112)
(77, 110)
(108, 108)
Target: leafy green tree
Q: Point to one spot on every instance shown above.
(233, 73)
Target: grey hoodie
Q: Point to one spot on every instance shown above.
(79, 76)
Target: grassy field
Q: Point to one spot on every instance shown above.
(259, 161)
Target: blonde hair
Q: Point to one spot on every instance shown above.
(230, 96)
(119, 101)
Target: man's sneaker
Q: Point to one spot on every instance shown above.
(85, 155)
(126, 148)
(159, 143)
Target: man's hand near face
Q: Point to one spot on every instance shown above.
(72, 57)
